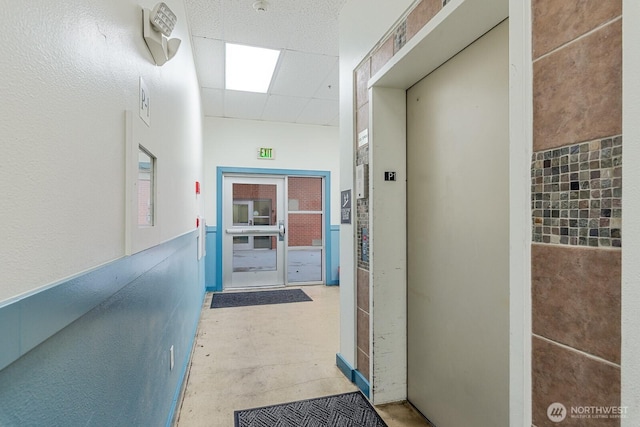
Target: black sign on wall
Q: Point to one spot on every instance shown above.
(345, 207)
(365, 245)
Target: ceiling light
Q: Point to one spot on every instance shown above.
(249, 69)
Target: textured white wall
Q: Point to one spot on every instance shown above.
(69, 71)
(363, 23)
(234, 143)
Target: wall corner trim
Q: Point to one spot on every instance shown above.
(344, 367)
(353, 375)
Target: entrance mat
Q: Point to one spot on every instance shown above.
(342, 410)
(242, 299)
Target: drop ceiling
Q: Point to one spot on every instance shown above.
(304, 88)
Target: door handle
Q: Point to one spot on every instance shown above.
(256, 231)
(281, 230)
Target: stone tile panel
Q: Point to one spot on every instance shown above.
(576, 381)
(576, 295)
(558, 22)
(578, 90)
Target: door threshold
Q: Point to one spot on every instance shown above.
(253, 288)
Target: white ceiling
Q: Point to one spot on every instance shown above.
(304, 88)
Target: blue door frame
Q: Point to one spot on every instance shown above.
(222, 170)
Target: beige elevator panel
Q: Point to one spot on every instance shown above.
(457, 237)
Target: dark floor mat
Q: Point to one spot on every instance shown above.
(342, 410)
(242, 299)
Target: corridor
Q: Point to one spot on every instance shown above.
(247, 357)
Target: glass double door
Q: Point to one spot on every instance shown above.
(273, 231)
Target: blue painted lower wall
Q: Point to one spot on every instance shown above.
(211, 276)
(333, 259)
(109, 363)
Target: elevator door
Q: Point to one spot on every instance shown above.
(457, 237)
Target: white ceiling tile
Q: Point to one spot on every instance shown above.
(242, 24)
(319, 112)
(301, 74)
(244, 105)
(306, 31)
(205, 18)
(316, 28)
(209, 59)
(284, 108)
(329, 89)
(213, 102)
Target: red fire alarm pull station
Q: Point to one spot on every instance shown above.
(197, 222)
(197, 187)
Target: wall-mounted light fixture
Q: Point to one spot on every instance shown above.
(157, 24)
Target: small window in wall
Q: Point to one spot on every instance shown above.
(146, 187)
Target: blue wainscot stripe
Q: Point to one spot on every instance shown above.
(39, 315)
(102, 338)
(345, 367)
(361, 382)
(333, 257)
(352, 374)
(211, 260)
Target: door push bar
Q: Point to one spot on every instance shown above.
(280, 231)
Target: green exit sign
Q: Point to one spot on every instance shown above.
(266, 153)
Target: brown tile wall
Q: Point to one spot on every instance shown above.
(556, 23)
(362, 76)
(573, 379)
(381, 56)
(576, 298)
(423, 13)
(577, 88)
(362, 325)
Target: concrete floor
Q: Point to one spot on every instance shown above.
(247, 357)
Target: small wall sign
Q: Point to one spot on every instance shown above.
(389, 176)
(363, 138)
(265, 153)
(345, 207)
(144, 103)
(364, 251)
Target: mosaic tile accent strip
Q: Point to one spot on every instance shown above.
(576, 194)
(400, 36)
(362, 210)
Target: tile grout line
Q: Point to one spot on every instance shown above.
(586, 141)
(575, 350)
(570, 42)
